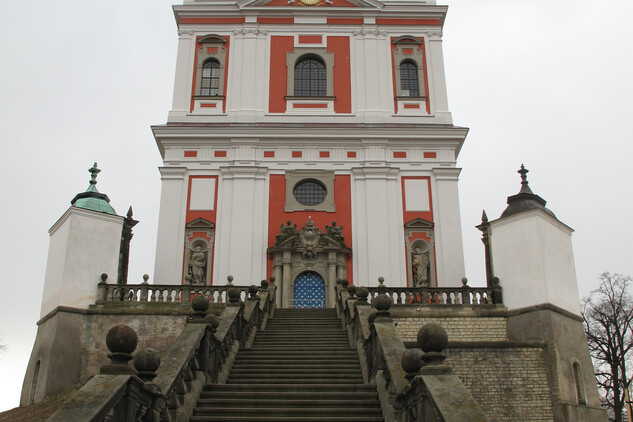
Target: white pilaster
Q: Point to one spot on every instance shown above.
(242, 227)
(437, 77)
(449, 247)
(377, 227)
(171, 226)
(184, 73)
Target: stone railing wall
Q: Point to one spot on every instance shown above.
(407, 393)
(203, 353)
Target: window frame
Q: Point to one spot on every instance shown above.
(300, 53)
(402, 44)
(206, 43)
(325, 178)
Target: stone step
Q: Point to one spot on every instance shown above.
(287, 402)
(236, 418)
(308, 381)
(279, 411)
(279, 388)
(295, 365)
(296, 371)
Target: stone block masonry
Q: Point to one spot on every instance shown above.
(509, 383)
(462, 329)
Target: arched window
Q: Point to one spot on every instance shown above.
(409, 84)
(310, 78)
(580, 388)
(210, 83)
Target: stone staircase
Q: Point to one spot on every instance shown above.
(300, 368)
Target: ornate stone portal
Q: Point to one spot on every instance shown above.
(308, 249)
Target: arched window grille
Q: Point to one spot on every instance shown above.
(210, 83)
(409, 83)
(310, 78)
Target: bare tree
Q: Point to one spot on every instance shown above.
(608, 323)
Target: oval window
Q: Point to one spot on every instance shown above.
(309, 192)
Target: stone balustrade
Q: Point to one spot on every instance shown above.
(164, 293)
(464, 295)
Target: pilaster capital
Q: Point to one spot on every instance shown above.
(451, 174)
(172, 173)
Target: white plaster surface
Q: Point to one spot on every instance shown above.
(449, 247)
(83, 245)
(171, 227)
(202, 196)
(532, 256)
(416, 195)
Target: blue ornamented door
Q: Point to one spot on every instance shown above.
(309, 291)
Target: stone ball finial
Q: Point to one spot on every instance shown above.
(464, 281)
(264, 283)
(104, 277)
(495, 280)
(252, 291)
(352, 290)
(234, 295)
(146, 362)
(361, 294)
(381, 280)
(345, 283)
(272, 279)
(339, 280)
(229, 280)
(382, 303)
(432, 337)
(121, 339)
(200, 304)
(145, 278)
(411, 363)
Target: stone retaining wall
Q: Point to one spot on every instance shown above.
(509, 383)
(462, 329)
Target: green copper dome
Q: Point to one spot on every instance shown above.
(92, 199)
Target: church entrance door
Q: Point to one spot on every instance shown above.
(309, 291)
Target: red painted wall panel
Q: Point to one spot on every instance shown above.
(342, 78)
(279, 46)
(343, 215)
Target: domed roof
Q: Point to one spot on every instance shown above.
(525, 200)
(92, 199)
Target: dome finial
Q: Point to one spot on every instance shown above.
(524, 182)
(93, 173)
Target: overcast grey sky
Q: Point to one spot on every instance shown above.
(547, 83)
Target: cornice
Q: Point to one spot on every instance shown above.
(232, 10)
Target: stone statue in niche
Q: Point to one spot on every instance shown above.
(420, 263)
(197, 266)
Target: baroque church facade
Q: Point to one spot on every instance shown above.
(328, 119)
(310, 142)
